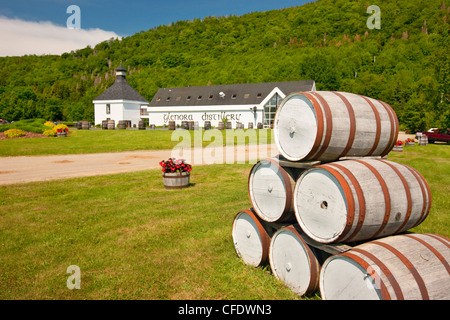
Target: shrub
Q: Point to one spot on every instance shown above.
(49, 124)
(49, 133)
(14, 133)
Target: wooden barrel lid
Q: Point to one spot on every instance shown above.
(251, 240)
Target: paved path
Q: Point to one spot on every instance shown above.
(41, 168)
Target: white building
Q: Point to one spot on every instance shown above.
(245, 103)
(119, 102)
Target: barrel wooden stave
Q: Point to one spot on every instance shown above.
(270, 189)
(293, 262)
(111, 125)
(122, 124)
(326, 125)
(85, 125)
(409, 266)
(176, 180)
(251, 238)
(354, 200)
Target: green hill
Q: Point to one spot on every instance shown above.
(404, 63)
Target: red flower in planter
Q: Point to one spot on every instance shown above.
(173, 165)
(399, 143)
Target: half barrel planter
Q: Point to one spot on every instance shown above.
(270, 189)
(328, 125)
(355, 200)
(402, 267)
(251, 238)
(176, 180)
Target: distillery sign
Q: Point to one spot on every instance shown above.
(206, 116)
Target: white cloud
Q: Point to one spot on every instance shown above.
(19, 37)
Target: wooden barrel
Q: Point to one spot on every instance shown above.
(104, 124)
(122, 124)
(250, 125)
(141, 125)
(111, 125)
(85, 125)
(327, 125)
(270, 189)
(228, 125)
(402, 267)
(251, 238)
(423, 140)
(354, 200)
(171, 125)
(293, 262)
(221, 125)
(259, 125)
(196, 125)
(207, 125)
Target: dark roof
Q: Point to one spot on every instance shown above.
(235, 94)
(121, 90)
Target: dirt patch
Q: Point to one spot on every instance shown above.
(27, 135)
(62, 161)
(5, 172)
(124, 162)
(141, 157)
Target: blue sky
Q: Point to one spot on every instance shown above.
(126, 17)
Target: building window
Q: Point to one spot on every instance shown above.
(270, 108)
(188, 98)
(246, 96)
(210, 97)
(178, 98)
(108, 109)
(199, 98)
(158, 99)
(144, 112)
(233, 96)
(259, 95)
(168, 99)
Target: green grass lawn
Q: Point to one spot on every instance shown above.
(132, 239)
(95, 141)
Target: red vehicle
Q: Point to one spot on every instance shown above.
(438, 135)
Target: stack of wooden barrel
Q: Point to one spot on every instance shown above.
(331, 213)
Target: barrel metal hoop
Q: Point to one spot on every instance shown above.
(432, 249)
(360, 196)
(378, 123)
(440, 238)
(394, 127)
(387, 198)
(374, 275)
(395, 286)
(426, 193)
(329, 124)
(409, 265)
(349, 199)
(408, 195)
(320, 124)
(351, 114)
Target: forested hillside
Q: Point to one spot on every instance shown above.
(404, 63)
